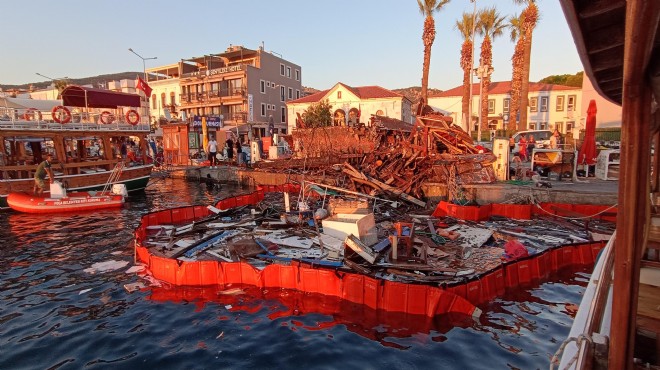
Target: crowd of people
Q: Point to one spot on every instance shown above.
(230, 150)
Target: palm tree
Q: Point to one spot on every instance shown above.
(515, 24)
(465, 27)
(530, 18)
(427, 8)
(491, 25)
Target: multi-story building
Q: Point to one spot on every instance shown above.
(165, 93)
(239, 90)
(354, 105)
(550, 106)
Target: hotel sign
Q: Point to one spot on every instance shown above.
(211, 121)
(213, 72)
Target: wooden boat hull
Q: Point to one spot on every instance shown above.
(73, 202)
(135, 179)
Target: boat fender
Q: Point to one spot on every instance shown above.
(132, 117)
(107, 117)
(120, 189)
(61, 117)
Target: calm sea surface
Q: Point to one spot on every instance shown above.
(63, 305)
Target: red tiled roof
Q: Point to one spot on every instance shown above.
(362, 92)
(502, 87)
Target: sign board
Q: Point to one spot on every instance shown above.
(250, 108)
(211, 121)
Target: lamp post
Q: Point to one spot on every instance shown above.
(54, 80)
(482, 72)
(474, 26)
(144, 64)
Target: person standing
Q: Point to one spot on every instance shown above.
(43, 169)
(531, 143)
(239, 152)
(212, 149)
(230, 148)
(523, 147)
(554, 140)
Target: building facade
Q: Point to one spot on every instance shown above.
(550, 106)
(354, 105)
(240, 90)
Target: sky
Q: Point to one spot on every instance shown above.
(357, 42)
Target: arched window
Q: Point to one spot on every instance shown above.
(153, 101)
(172, 98)
(340, 117)
(163, 100)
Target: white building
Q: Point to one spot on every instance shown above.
(354, 105)
(550, 106)
(166, 90)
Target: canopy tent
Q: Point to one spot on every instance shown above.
(24, 103)
(79, 96)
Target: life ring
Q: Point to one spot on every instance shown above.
(107, 117)
(133, 117)
(32, 113)
(61, 114)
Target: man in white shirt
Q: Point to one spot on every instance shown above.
(212, 149)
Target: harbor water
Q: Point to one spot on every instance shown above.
(64, 305)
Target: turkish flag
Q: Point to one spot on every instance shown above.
(142, 85)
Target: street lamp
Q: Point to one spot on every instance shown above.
(52, 79)
(482, 72)
(474, 26)
(144, 65)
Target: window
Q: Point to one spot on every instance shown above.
(491, 106)
(571, 103)
(543, 125)
(558, 126)
(379, 112)
(532, 126)
(154, 103)
(544, 104)
(297, 75)
(559, 106)
(288, 72)
(569, 126)
(507, 101)
(281, 69)
(290, 93)
(262, 86)
(338, 94)
(533, 104)
(263, 110)
(297, 94)
(267, 83)
(172, 98)
(283, 115)
(282, 92)
(283, 131)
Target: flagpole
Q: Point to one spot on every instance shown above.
(146, 79)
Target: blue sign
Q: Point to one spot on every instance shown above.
(211, 121)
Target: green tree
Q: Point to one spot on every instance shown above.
(318, 114)
(465, 27)
(427, 8)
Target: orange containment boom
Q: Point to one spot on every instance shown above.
(375, 293)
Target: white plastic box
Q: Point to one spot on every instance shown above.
(342, 225)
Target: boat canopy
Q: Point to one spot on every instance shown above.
(80, 96)
(25, 103)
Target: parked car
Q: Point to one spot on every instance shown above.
(542, 137)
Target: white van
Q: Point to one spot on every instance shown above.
(542, 137)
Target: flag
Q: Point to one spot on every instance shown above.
(142, 85)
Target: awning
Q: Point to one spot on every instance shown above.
(23, 103)
(79, 96)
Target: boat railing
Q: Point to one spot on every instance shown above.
(13, 119)
(579, 348)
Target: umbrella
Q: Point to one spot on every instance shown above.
(587, 153)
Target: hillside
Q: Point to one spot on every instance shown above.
(94, 81)
(411, 93)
